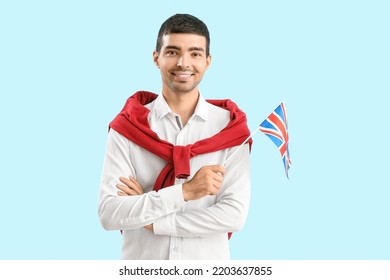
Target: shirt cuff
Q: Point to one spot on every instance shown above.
(172, 198)
(165, 225)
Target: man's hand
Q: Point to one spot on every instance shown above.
(130, 187)
(206, 181)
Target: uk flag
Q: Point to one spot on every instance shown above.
(275, 127)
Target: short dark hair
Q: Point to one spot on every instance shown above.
(183, 23)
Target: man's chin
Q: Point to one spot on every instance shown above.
(183, 89)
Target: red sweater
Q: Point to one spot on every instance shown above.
(132, 122)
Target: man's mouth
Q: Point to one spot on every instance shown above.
(182, 76)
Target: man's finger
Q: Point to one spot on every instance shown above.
(132, 184)
(137, 186)
(125, 181)
(126, 190)
(218, 177)
(217, 169)
(214, 191)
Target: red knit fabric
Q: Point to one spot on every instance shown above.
(132, 122)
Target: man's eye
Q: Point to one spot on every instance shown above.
(171, 53)
(196, 54)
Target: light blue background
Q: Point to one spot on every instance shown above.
(67, 67)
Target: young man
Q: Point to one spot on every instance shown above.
(163, 184)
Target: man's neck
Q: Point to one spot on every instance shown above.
(183, 104)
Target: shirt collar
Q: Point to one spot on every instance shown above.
(161, 108)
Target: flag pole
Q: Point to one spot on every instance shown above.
(243, 143)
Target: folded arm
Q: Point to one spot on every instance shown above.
(118, 212)
(121, 208)
(229, 212)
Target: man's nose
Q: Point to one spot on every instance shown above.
(182, 62)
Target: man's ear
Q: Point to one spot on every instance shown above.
(155, 58)
(208, 59)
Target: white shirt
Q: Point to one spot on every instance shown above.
(182, 230)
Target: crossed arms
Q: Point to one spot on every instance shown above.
(126, 203)
(206, 181)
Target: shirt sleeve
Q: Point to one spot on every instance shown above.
(130, 212)
(227, 215)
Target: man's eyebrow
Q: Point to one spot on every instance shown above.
(199, 49)
(172, 47)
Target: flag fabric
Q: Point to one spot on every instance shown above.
(275, 127)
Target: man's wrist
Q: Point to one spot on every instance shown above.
(184, 191)
(149, 227)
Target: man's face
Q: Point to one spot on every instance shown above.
(182, 61)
